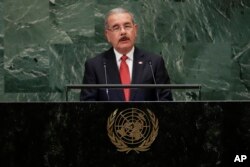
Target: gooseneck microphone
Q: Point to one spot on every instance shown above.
(106, 78)
(151, 68)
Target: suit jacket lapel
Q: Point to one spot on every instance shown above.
(113, 72)
(138, 68)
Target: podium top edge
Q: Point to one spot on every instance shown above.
(169, 86)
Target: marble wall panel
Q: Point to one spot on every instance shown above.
(44, 44)
(241, 50)
(1, 52)
(26, 53)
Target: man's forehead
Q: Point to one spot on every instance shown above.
(119, 17)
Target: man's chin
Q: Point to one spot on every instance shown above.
(125, 44)
(124, 48)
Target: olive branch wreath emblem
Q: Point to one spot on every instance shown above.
(144, 145)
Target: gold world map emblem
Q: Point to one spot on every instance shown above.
(132, 129)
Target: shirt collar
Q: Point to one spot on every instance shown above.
(129, 54)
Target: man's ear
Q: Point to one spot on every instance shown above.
(136, 29)
(106, 35)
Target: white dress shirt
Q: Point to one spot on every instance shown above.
(129, 61)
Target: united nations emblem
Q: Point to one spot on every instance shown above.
(132, 129)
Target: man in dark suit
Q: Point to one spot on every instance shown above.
(124, 63)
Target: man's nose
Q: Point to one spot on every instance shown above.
(123, 31)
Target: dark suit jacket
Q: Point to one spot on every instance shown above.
(94, 74)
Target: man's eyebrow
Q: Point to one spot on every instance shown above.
(122, 24)
(127, 23)
(115, 25)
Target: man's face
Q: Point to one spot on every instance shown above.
(121, 32)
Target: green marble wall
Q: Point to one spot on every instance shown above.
(44, 44)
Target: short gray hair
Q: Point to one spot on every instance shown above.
(116, 11)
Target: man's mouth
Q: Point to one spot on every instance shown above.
(124, 39)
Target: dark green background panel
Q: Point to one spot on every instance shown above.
(44, 44)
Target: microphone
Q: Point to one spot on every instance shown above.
(106, 78)
(151, 68)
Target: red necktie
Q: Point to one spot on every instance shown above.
(124, 75)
